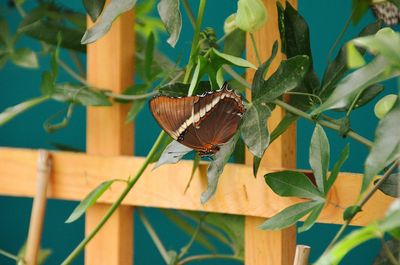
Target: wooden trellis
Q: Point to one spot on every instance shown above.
(109, 150)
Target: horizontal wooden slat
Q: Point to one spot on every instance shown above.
(75, 175)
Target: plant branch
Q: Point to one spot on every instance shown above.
(253, 42)
(154, 236)
(388, 252)
(363, 201)
(117, 203)
(131, 97)
(186, 248)
(189, 12)
(9, 255)
(207, 257)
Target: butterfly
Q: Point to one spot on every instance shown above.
(203, 122)
(388, 12)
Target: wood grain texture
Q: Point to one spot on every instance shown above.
(110, 62)
(74, 175)
(270, 247)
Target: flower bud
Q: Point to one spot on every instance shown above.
(384, 105)
(251, 15)
(230, 24)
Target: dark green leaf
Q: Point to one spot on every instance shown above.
(386, 146)
(137, 106)
(258, 80)
(394, 247)
(13, 111)
(256, 165)
(254, 128)
(310, 221)
(230, 59)
(359, 8)
(235, 42)
(293, 184)
(391, 186)
(289, 216)
(114, 9)
(319, 157)
(181, 90)
(148, 61)
(5, 38)
(217, 166)
(351, 211)
(94, 8)
(80, 94)
(281, 25)
(287, 77)
(171, 16)
(89, 200)
(366, 96)
(164, 143)
(172, 154)
(336, 168)
(25, 57)
(355, 83)
(338, 67)
(47, 84)
(239, 153)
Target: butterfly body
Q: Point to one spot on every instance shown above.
(202, 122)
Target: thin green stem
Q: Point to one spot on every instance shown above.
(189, 12)
(156, 240)
(117, 203)
(195, 41)
(131, 97)
(339, 38)
(75, 59)
(253, 41)
(9, 255)
(208, 257)
(186, 248)
(72, 73)
(362, 202)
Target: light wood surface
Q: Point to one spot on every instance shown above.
(302, 254)
(270, 247)
(74, 175)
(110, 62)
(38, 208)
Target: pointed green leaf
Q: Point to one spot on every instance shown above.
(386, 146)
(89, 200)
(254, 128)
(283, 126)
(94, 8)
(114, 9)
(336, 168)
(235, 43)
(256, 165)
(288, 216)
(293, 184)
(148, 61)
(354, 57)
(172, 154)
(137, 106)
(13, 111)
(319, 156)
(25, 57)
(216, 167)
(230, 59)
(80, 95)
(310, 221)
(171, 16)
(391, 186)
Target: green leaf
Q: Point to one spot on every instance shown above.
(385, 42)
(366, 96)
(164, 143)
(355, 83)
(25, 57)
(89, 200)
(391, 186)
(137, 106)
(338, 67)
(230, 59)
(256, 165)
(172, 154)
(359, 8)
(289, 216)
(283, 125)
(80, 95)
(351, 211)
(5, 38)
(293, 184)
(13, 111)
(254, 128)
(394, 247)
(114, 9)
(310, 221)
(235, 43)
(386, 146)
(258, 80)
(217, 166)
(354, 57)
(148, 61)
(171, 16)
(94, 8)
(287, 77)
(319, 157)
(336, 168)
(196, 74)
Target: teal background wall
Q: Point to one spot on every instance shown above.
(325, 18)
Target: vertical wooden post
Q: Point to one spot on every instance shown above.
(110, 63)
(271, 247)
